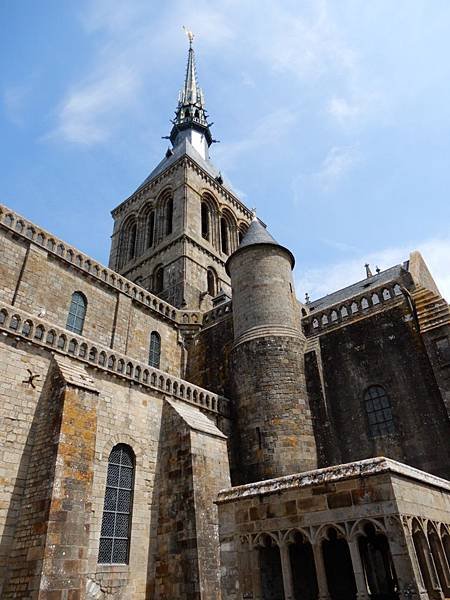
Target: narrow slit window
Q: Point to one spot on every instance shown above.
(205, 221)
(151, 229)
(169, 216)
(224, 236)
(154, 357)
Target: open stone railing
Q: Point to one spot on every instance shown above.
(218, 312)
(343, 312)
(31, 329)
(28, 230)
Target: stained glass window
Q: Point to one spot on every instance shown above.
(77, 313)
(116, 523)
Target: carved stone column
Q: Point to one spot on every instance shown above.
(358, 570)
(322, 583)
(287, 573)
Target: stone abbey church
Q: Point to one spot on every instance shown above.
(178, 425)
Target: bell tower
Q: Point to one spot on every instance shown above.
(174, 234)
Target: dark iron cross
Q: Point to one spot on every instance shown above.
(31, 379)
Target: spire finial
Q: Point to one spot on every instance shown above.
(254, 217)
(189, 34)
(191, 113)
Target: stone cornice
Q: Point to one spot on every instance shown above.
(357, 469)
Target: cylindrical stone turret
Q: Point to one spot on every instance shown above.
(274, 428)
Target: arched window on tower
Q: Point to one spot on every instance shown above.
(205, 221)
(117, 509)
(379, 411)
(224, 236)
(150, 229)
(211, 277)
(154, 356)
(169, 216)
(241, 232)
(158, 280)
(77, 313)
(132, 235)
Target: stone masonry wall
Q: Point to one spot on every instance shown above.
(385, 349)
(274, 434)
(35, 280)
(26, 554)
(208, 357)
(20, 404)
(192, 468)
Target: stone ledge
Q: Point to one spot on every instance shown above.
(362, 468)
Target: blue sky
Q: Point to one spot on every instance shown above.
(334, 119)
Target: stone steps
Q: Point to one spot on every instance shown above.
(432, 310)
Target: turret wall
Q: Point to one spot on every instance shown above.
(263, 290)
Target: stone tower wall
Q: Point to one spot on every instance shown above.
(184, 254)
(263, 291)
(274, 430)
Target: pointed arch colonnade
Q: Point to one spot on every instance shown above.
(348, 561)
(339, 533)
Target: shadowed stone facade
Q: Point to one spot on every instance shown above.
(134, 396)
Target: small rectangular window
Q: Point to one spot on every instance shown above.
(443, 350)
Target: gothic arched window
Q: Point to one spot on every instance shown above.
(169, 216)
(224, 236)
(77, 313)
(212, 281)
(205, 221)
(154, 355)
(117, 509)
(150, 229)
(379, 411)
(158, 280)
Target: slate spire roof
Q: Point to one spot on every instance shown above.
(257, 235)
(191, 112)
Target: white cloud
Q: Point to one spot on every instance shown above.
(305, 44)
(84, 117)
(324, 280)
(269, 130)
(338, 162)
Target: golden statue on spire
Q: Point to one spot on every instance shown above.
(189, 34)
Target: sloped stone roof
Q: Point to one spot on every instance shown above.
(396, 273)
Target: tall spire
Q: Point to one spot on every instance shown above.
(190, 114)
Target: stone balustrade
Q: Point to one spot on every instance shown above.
(218, 312)
(37, 331)
(336, 315)
(79, 260)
